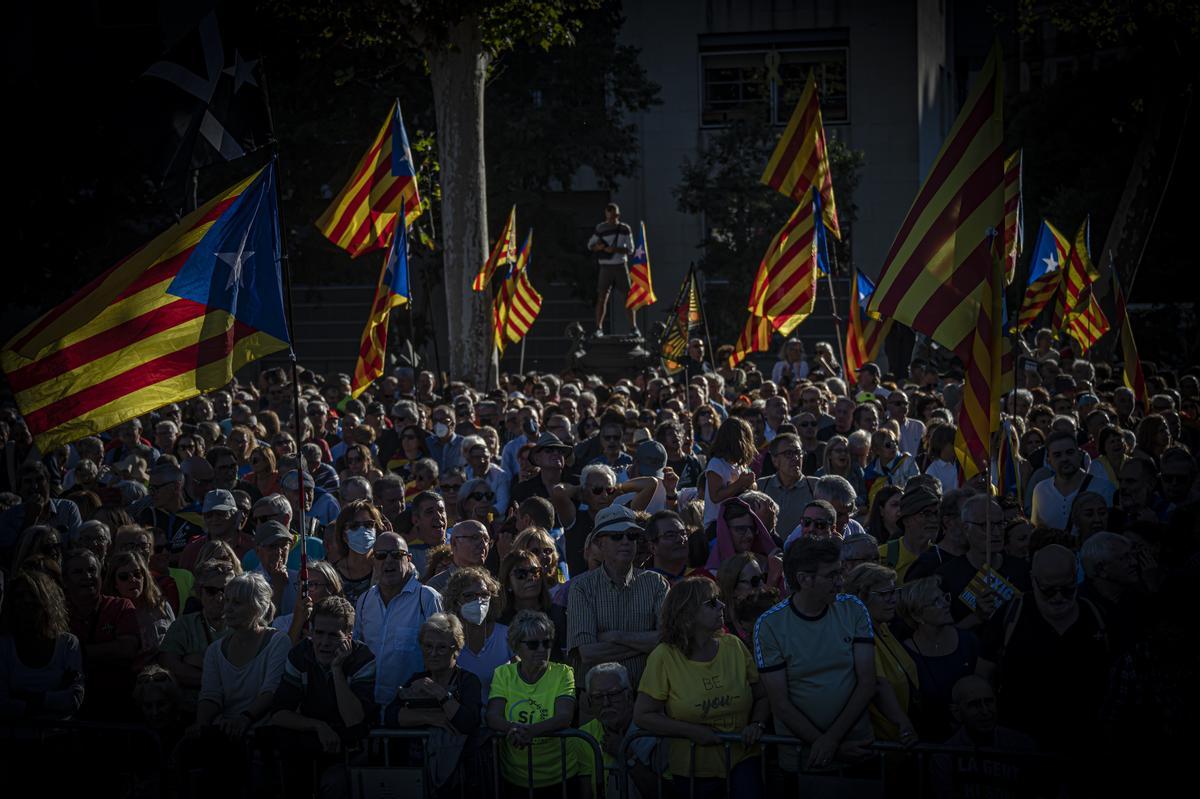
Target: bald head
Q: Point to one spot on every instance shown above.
(1053, 563)
(970, 688)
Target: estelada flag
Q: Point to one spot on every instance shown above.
(383, 188)
(641, 286)
(504, 253)
(391, 292)
(174, 320)
(1045, 273)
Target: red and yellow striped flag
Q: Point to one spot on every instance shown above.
(755, 337)
(174, 320)
(939, 278)
(1045, 273)
(1078, 273)
(362, 217)
(801, 162)
(864, 335)
(504, 252)
(1087, 323)
(1014, 217)
(641, 286)
(526, 304)
(503, 302)
(390, 292)
(785, 287)
(1134, 378)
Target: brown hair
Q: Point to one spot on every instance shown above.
(151, 598)
(452, 595)
(677, 616)
(734, 442)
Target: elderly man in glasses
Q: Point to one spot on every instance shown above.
(614, 608)
(481, 467)
(469, 546)
(389, 615)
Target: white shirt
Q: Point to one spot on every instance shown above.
(483, 664)
(796, 372)
(391, 632)
(235, 688)
(911, 433)
(946, 473)
(1051, 508)
(728, 473)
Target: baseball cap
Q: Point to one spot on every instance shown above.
(219, 499)
(270, 532)
(650, 457)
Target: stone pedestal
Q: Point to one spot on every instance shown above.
(611, 357)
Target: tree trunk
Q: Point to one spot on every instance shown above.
(457, 71)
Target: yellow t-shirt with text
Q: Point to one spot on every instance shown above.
(531, 703)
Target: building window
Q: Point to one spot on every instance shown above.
(767, 83)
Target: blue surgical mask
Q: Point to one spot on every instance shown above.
(361, 539)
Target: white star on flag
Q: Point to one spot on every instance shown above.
(1051, 263)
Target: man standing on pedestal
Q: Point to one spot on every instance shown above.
(612, 242)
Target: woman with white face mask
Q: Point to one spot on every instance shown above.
(354, 531)
(473, 595)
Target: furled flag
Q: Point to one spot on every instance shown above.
(641, 287)
(207, 91)
(1085, 321)
(1014, 216)
(1078, 273)
(685, 317)
(504, 253)
(1006, 477)
(502, 304)
(800, 161)
(943, 276)
(755, 337)
(864, 335)
(174, 320)
(391, 292)
(1134, 378)
(1045, 273)
(383, 188)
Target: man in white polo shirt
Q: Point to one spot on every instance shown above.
(1053, 497)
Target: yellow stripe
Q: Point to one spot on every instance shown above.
(209, 377)
(337, 208)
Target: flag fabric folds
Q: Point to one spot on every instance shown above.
(174, 320)
(1045, 273)
(1006, 479)
(1014, 216)
(685, 317)
(641, 287)
(800, 161)
(1085, 321)
(864, 335)
(755, 337)
(391, 292)
(939, 277)
(785, 287)
(517, 303)
(383, 188)
(1134, 378)
(1078, 273)
(504, 253)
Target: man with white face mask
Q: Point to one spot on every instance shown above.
(445, 446)
(473, 595)
(469, 545)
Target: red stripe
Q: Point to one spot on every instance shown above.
(786, 273)
(365, 162)
(796, 143)
(946, 297)
(381, 172)
(139, 376)
(79, 296)
(131, 331)
(381, 206)
(963, 278)
(955, 149)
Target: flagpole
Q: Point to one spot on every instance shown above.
(837, 327)
(286, 269)
(712, 355)
(522, 367)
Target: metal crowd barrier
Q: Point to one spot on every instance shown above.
(921, 751)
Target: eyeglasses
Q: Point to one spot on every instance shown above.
(714, 602)
(820, 524)
(754, 581)
(673, 535)
(451, 486)
(526, 573)
(607, 697)
(1052, 591)
(598, 490)
(789, 453)
(542, 643)
(482, 496)
(127, 576)
(394, 554)
(889, 444)
(633, 536)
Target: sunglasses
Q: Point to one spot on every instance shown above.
(626, 536)
(889, 445)
(598, 490)
(482, 496)
(525, 574)
(394, 554)
(714, 603)
(535, 645)
(1052, 591)
(754, 581)
(451, 486)
(820, 524)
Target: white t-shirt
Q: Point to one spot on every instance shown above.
(483, 664)
(1053, 509)
(946, 473)
(728, 473)
(911, 433)
(234, 688)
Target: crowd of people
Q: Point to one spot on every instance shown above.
(675, 565)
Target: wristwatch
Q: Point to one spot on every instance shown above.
(445, 699)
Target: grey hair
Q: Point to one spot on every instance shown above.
(96, 524)
(528, 625)
(361, 482)
(836, 386)
(428, 465)
(446, 624)
(465, 492)
(471, 442)
(600, 669)
(835, 488)
(977, 499)
(860, 437)
(1100, 548)
(406, 408)
(276, 502)
(311, 451)
(943, 414)
(850, 542)
(1024, 394)
(166, 471)
(166, 424)
(254, 589)
(131, 491)
(759, 498)
(597, 468)
(332, 578)
(86, 470)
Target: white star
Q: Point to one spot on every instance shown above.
(242, 71)
(235, 261)
(1051, 263)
